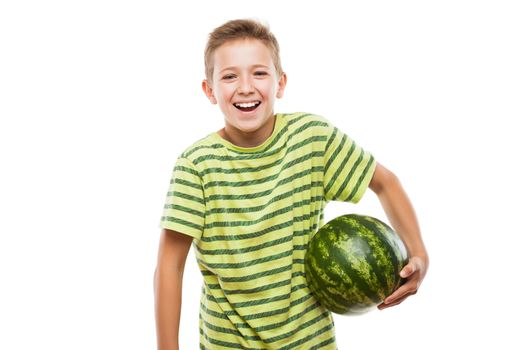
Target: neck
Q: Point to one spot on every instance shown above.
(248, 139)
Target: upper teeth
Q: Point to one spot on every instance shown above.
(246, 105)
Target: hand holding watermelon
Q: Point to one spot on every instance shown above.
(413, 273)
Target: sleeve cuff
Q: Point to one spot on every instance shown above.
(196, 234)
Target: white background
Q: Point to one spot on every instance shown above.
(97, 99)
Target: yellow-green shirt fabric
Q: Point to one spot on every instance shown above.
(252, 212)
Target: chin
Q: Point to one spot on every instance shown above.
(248, 127)
(248, 122)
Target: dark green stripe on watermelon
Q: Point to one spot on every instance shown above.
(393, 245)
(379, 258)
(353, 262)
(357, 273)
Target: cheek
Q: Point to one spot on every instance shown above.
(268, 89)
(223, 94)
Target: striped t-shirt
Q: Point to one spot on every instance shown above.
(252, 212)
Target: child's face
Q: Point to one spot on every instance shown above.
(244, 73)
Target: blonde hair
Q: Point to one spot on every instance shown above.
(240, 29)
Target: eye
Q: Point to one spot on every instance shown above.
(260, 73)
(228, 76)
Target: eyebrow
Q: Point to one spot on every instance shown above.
(254, 66)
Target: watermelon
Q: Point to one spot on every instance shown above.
(352, 263)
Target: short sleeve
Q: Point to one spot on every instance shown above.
(184, 207)
(348, 168)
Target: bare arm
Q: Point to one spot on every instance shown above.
(173, 250)
(402, 216)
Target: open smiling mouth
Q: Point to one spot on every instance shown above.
(247, 106)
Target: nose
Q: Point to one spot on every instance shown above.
(245, 86)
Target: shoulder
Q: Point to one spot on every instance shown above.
(308, 124)
(202, 147)
(303, 120)
(302, 117)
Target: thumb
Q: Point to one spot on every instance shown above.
(409, 269)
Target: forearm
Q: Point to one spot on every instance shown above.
(168, 296)
(402, 216)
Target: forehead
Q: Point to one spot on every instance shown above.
(242, 53)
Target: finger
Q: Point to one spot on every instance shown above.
(406, 289)
(397, 302)
(399, 293)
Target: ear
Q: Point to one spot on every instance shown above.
(281, 85)
(206, 87)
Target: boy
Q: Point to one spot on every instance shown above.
(251, 195)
